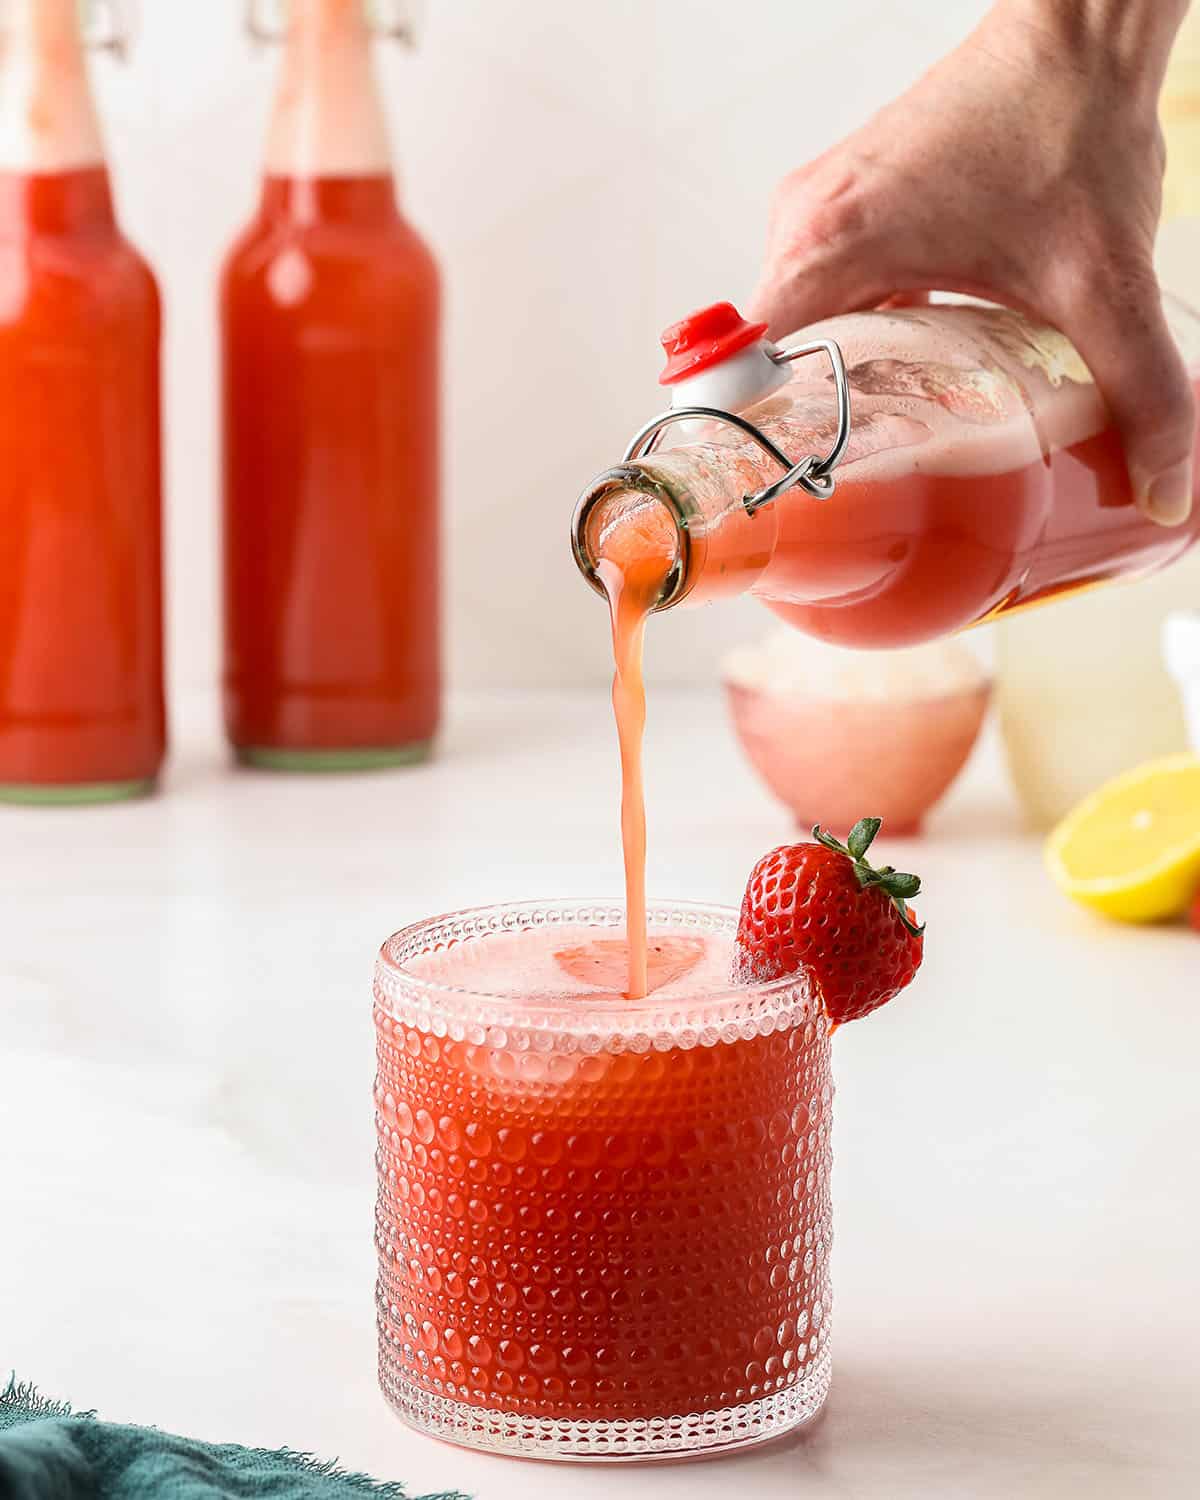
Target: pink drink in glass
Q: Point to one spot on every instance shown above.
(603, 1225)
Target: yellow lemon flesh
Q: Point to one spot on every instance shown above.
(1132, 849)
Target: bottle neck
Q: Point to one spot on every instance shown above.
(329, 200)
(328, 119)
(56, 202)
(670, 516)
(48, 120)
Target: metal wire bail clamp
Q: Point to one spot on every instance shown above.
(393, 20)
(108, 28)
(813, 475)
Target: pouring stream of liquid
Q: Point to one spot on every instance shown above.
(634, 561)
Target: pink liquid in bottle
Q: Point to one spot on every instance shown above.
(983, 474)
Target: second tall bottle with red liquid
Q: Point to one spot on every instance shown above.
(329, 311)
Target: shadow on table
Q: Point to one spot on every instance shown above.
(971, 1429)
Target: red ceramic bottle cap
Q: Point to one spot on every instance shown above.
(705, 338)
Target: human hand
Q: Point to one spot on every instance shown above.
(1025, 168)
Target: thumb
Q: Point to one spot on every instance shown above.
(1126, 343)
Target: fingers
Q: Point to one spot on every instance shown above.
(786, 301)
(1122, 334)
(836, 245)
(818, 260)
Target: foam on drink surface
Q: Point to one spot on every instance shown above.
(579, 962)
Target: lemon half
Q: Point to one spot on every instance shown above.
(1132, 849)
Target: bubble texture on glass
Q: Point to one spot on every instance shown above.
(601, 1231)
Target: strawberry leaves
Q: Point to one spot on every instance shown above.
(897, 884)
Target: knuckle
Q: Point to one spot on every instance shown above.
(840, 214)
(820, 214)
(788, 196)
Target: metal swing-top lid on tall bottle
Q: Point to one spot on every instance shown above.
(394, 20)
(328, 118)
(48, 121)
(715, 357)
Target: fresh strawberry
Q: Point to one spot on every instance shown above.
(823, 907)
(1194, 912)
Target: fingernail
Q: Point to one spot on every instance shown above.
(1167, 499)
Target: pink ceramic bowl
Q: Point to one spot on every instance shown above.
(834, 761)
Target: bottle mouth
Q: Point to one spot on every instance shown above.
(629, 516)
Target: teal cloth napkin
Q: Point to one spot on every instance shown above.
(49, 1452)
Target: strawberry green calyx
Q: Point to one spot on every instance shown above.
(895, 883)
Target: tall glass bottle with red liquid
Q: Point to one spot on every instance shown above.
(81, 693)
(329, 312)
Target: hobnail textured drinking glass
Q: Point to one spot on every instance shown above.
(603, 1226)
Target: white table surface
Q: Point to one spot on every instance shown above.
(186, 1136)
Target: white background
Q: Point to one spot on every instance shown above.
(587, 173)
(183, 981)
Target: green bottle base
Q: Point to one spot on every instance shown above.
(368, 758)
(75, 794)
